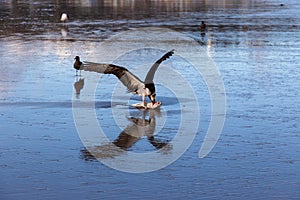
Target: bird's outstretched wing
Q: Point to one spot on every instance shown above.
(128, 79)
(151, 72)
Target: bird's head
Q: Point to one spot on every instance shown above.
(77, 58)
(153, 98)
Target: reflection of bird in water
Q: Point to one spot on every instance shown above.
(64, 17)
(78, 85)
(202, 32)
(138, 128)
(64, 32)
(132, 82)
(77, 65)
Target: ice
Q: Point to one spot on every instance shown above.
(255, 46)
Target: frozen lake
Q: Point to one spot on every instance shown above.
(52, 146)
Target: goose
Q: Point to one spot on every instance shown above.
(77, 65)
(132, 82)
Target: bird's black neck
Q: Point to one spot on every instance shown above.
(151, 87)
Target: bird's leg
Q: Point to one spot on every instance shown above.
(144, 102)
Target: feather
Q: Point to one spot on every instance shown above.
(133, 83)
(150, 75)
(128, 79)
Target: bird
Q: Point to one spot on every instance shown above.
(134, 85)
(64, 17)
(203, 25)
(77, 65)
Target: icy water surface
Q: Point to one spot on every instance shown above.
(254, 44)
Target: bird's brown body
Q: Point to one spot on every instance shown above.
(77, 64)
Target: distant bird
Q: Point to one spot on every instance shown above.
(77, 65)
(132, 82)
(64, 17)
(203, 25)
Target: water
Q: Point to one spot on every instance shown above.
(255, 46)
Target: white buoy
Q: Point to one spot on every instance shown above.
(64, 17)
